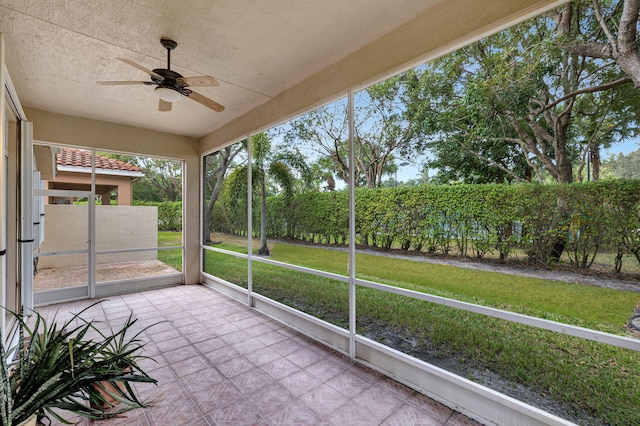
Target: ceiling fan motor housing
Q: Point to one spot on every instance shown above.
(171, 80)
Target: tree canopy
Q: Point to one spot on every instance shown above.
(534, 102)
(383, 131)
(624, 166)
(524, 103)
(162, 180)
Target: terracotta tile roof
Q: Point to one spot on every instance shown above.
(80, 158)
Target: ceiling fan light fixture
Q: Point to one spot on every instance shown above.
(167, 94)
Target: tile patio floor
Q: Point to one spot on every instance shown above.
(222, 363)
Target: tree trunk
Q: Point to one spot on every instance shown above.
(594, 158)
(618, 262)
(560, 241)
(206, 228)
(226, 156)
(628, 55)
(563, 165)
(264, 250)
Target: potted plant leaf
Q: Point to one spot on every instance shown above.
(124, 352)
(52, 367)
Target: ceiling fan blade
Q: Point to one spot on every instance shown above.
(140, 67)
(206, 101)
(116, 83)
(164, 105)
(200, 81)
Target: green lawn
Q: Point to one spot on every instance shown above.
(171, 257)
(577, 304)
(594, 380)
(595, 307)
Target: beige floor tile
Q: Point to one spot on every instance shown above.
(221, 363)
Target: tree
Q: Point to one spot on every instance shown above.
(326, 130)
(607, 31)
(478, 161)
(323, 171)
(382, 130)
(280, 172)
(522, 102)
(215, 170)
(162, 180)
(519, 88)
(624, 166)
(163, 176)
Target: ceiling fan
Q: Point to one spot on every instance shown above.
(172, 86)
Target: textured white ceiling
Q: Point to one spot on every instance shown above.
(57, 49)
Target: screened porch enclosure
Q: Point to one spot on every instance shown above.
(306, 333)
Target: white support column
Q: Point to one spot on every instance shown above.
(4, 145)
(37, 235)
(25, 237)
(249, 223)
(91, 229)
(352, 233)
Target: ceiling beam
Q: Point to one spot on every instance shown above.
(89, 133)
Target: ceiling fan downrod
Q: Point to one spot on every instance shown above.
(169, 45)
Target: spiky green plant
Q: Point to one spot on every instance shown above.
(125, 352)
(55, 368)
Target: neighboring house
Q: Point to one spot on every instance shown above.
(73, 172)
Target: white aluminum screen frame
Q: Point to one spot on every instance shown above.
(25, 235)
(474, 400)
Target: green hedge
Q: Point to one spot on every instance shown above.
(470, 220)
(169, 214)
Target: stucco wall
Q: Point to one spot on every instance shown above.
(117, 227)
